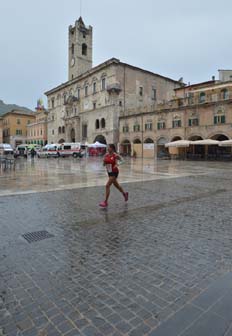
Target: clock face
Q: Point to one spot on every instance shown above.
(72, 62)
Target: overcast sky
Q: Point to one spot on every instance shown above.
(175, 38)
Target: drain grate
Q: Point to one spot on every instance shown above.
(36, 236)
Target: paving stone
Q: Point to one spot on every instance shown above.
(209, 324)
(135, 264)
(179, 322)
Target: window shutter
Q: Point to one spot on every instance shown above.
(190, 122)
(215, 120)
(223, 119)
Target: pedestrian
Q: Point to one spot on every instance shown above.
(110, 161)
(33, 153)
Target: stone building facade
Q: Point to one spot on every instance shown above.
(200, 111)
(87, 107)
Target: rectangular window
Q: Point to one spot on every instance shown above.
(94, 106)
(153, 97)
(94, 87)
(18, 121)
(141, 91)
(176, 123)
(28, 122)
(19, 132)
(219, 119)
(193, 122)
(103, 83)
(136, 128)
(148, 126)
(78, 93)
(86, 91)
(53, 102)
(161, 125)
(125, 129)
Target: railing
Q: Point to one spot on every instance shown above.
(7, 163)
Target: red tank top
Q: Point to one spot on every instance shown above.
(110, 161)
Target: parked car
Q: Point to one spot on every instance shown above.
(6, 150)
(21, 150)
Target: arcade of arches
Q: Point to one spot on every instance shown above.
(151, 148)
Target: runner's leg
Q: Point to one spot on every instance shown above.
(108, 185)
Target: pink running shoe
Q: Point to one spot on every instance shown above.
(126, 196)
(103, 204)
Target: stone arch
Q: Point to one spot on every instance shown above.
(219, 136)
(148, 140)
(176, 138)
(61, 141)
(84, 49)
(162, 141)
(137, 141)
(100, 138)
(125, 147)
(162, 151)
(195, 137)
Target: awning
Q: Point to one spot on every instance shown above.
(205, 142)
(97, 145)
(178, 143)
(225, 143)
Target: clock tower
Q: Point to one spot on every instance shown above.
(80, 49)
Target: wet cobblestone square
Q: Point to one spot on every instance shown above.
(133, 269)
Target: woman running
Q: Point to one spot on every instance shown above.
(110, 162)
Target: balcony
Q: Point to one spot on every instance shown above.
(70, 100)
(114, 88)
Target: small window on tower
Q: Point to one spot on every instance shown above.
(72, 49)
(84, 49)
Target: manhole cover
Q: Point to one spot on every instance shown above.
(36, 236)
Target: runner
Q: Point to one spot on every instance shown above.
(110, 162)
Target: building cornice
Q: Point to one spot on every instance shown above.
(101, 66)
(175, 109)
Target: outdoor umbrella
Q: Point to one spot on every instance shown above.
(178, 143)
(31, 146)
(226, 143)
(205, 142)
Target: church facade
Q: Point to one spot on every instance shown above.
(88, 106)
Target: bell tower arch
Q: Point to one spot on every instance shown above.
(80, 49)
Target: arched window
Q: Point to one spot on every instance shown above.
(59, 130)
(97, 124)
(63, 129)
(84, 49)
(103, 123)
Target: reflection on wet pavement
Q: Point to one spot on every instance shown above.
(41, 175)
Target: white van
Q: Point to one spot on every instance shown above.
(6, 149)
(48, 151)
(21, 150)
(70, 149)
